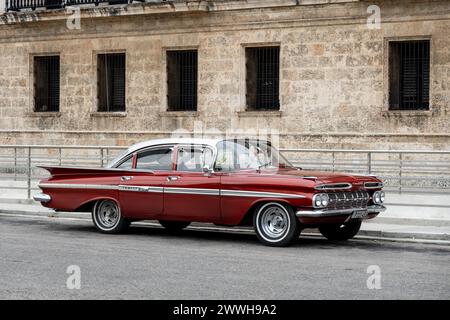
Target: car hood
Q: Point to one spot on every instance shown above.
(324, 177)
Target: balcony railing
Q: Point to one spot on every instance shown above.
(17, 5)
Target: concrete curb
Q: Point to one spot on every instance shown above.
(411, 221)
(404, 236)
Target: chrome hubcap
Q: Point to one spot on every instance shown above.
(274, 222)
(108, 213)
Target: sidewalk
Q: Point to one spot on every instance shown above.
(395, 230)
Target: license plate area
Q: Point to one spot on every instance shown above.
(360, 214)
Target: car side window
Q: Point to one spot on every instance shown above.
(234, 156)
(126, 165)
(155, 159)
(193, 158)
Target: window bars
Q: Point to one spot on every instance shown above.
(111, 82)
(409, 75)
(263, 78)
(182, 72)
(46, 83)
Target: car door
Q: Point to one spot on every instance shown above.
(189, 193)
(141, 192)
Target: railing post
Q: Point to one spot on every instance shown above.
(369, 162)
(400, 172)
(102, 156)
(29, 174)
(333, 160)
(15, 164)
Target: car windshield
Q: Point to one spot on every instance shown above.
(241, 154)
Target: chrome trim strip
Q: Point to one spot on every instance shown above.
(78, 186)
(376, 185)
(42, 197)
(334, 186)
(242, 193)
(173, 190)
(337, 212)
(376, 208)
(141, 188)
(197, 191)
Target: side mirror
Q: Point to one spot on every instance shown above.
(207, 171)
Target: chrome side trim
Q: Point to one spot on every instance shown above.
(78, 186)
(373, 185)
(141, 188)
(336, 212)
(241, 193)
(334, 186)
(197, 191)
(42, 197)
(173, 190)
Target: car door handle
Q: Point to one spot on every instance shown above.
(126, 178)
(173, 178)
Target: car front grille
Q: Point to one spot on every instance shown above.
(353, 199)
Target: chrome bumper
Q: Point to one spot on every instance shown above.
(337, 212)
(42, 197)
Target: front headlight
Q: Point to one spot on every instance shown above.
(320, 200)
(325, 200)
(378, 197)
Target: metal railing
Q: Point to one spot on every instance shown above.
(401, 170)
(414, 171)
(18, 172)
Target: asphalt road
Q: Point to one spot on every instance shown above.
(150, 263)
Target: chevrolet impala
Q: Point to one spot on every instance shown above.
(235, 182)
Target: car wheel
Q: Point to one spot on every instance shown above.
(174, 226)
(276, 224)
(108, 218)
(341, 232)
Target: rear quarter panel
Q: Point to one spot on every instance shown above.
(70, 199)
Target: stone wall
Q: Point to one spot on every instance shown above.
(333, 85)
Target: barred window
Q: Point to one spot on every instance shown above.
(111, 82)
(409, 75)
(182, 80)
(263, 78)
(46, 83)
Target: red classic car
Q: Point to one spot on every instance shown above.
(227, 182)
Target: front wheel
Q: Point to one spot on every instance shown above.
(108, 218)
(341, 232)
(276, 224)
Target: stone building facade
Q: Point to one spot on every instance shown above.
(333, 71)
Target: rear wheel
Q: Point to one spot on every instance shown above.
(108, 218)
(174, 226)
(276, 224)
(341, 232)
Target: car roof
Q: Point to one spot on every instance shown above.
(203, 141)
(156, 142)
